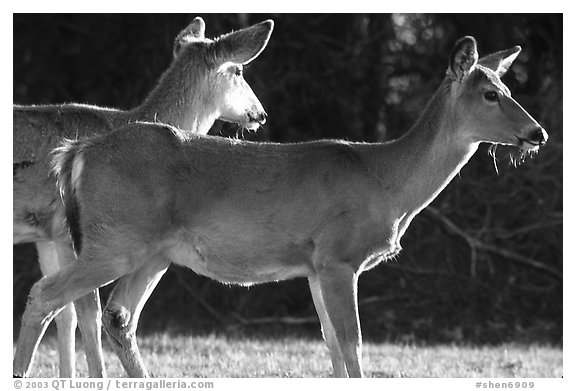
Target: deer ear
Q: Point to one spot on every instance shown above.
(463, 59)
(500, 61)
(244, 45)
(194, 32)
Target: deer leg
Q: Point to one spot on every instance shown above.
(50, 263)
(338, 291)
(89, 314)
(328, 331)
(53, 257)
(66, 326)
(123, 311)
(52, 293)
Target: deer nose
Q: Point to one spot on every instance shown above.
(539, 135)
(259, 116)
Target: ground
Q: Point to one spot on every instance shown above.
(219, 356)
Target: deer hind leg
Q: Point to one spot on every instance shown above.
(52, 293)
(50, 263)
(338, 293)
(123, 311)
(328, 331)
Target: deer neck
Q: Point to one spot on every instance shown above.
(179, 99)
(417, 167)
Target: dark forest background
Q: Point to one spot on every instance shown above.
(482, 264)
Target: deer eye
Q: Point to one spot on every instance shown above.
(238, 71)
(491, 96)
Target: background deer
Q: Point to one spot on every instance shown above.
(203, 83)
(325, 210)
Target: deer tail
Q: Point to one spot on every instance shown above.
(67, 166)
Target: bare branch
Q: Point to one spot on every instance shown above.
(306, 319)
(200, 300)
(475, 244)
(275, 319)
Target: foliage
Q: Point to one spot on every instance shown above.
(483, 264)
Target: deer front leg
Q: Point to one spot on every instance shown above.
(89, 318)
(48, 296)
(123, 311)
(36, 318)
(50, 263)
(89, 314)
(328, 331)
(338, 294)
(66, 328)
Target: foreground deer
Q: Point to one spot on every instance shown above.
(149, 195)
(203, 83)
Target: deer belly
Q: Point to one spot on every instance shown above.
(240, 263)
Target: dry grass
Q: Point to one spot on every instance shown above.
(224, 356)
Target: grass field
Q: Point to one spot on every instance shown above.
(226, 356)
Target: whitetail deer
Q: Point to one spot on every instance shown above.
(203, 83)
(240, 212)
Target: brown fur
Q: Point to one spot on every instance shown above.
(244, 213)
(190, 95)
